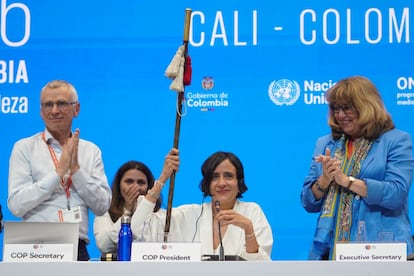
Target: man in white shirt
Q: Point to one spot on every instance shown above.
(54, 175)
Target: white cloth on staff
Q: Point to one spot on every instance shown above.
(175, 70)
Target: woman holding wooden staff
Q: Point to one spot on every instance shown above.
(226, 224)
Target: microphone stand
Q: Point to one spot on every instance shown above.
(221, 256)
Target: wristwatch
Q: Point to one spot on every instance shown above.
(351, 180)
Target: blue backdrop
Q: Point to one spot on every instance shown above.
(243, 52)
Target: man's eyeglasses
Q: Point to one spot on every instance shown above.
(347, 109)
(61, 105)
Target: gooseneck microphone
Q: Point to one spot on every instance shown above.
(221, 256)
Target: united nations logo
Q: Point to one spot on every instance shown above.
(284, 92)
(207, 83)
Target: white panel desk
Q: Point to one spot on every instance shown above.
(279, 268)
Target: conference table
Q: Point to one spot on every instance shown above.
(230, 268)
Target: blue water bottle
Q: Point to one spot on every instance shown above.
(125, 239)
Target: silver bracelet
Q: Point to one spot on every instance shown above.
(161, 183)
(152, 194)
(250, 236)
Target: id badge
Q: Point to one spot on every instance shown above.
(72, 215)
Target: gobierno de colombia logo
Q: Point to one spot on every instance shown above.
(208, 99)
(284, 92)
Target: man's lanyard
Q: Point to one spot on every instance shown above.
(65, 182)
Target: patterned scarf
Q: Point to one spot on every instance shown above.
(336, 213)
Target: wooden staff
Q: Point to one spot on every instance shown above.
(180, 100)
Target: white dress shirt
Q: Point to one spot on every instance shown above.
(35, 190)
(106, 233)
(194, 223)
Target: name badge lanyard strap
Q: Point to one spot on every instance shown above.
(66, 183)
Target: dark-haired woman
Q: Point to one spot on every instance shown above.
(132, 179)
(243, 226)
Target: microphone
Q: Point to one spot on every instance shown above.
(217, 205)
(221, 256)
